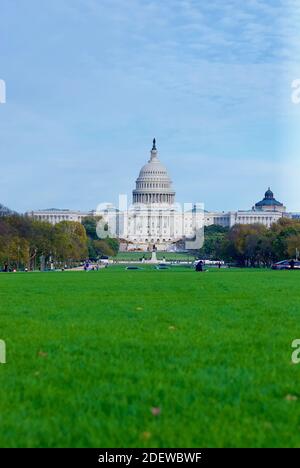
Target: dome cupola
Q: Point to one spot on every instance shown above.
(153, 184)
(269, 203)
(269, 194)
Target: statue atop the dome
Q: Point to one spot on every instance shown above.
(154, 145)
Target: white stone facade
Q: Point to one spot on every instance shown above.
(266, 212)
(162, 226)
(54, 216)
(231, 218)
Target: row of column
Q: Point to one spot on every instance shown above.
(153, 198)
(151, 185)
(251, 220)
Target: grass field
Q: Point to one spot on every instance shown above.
(150, 358)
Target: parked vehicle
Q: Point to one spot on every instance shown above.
(286, 265)
(104, 260)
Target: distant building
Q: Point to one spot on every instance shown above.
(155, 218)
(268, 203)
(4, 211)
(54, 216)
(267, 211)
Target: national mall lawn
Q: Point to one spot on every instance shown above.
(150, 358)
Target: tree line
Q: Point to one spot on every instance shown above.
(26, 242)
(253, 244)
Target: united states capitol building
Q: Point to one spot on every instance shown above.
(154, 217)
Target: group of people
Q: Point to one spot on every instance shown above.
(88, 267)
(200, 266)
(8, 269)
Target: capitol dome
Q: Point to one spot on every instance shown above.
(153, 184)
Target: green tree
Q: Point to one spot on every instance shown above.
(70, 241)
(103, 248)
(97, 247)
(293, 245)
(214, 237)
(90, 225)
(285, 233)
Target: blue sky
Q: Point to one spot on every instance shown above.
(91, 82)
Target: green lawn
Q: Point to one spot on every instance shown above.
(90, 354)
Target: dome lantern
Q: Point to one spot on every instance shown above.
(269, 194)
